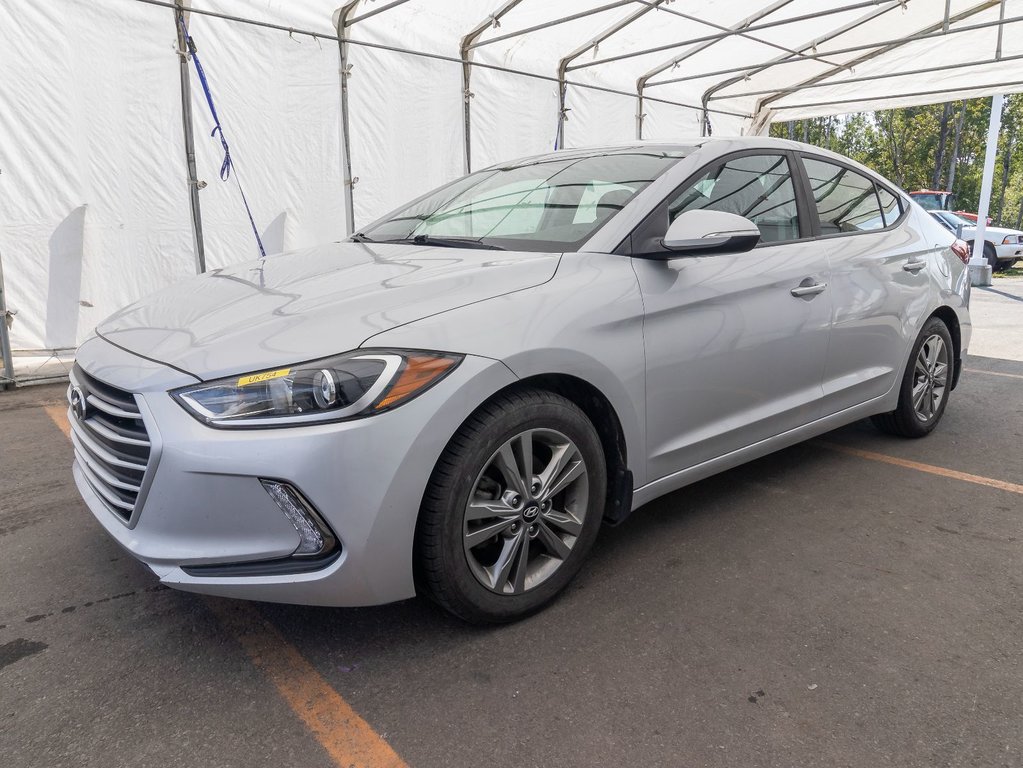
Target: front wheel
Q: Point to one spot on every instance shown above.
(925, 385)
(991, 255)
(512, 508)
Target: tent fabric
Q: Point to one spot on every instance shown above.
(94, 193)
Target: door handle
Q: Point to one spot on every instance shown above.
(808, 290)
(914, 266)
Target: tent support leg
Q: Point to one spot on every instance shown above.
(344, 12)
(465, 54)
(186, 123)
(980, 270)
(7, 379)
(562, 112)
(467, 113)
(639, 112)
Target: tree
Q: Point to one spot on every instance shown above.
(939, 159)
(929, 146)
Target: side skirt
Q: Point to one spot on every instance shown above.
(693, 474)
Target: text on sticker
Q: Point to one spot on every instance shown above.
(256, 378)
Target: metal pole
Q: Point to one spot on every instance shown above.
(881, 51)
(1003, 85)
(186, 123)
(346, 148)
(1001, 27)
(838, 8)
(811, 46)
(675, 61)
(591, 44)
(549, 24)
(966, 28)
(980, 270)
(465, 53)
(7, 380)
(640, 114)
(737, 30)
(435, 56)
(871, 78)
(374, 12)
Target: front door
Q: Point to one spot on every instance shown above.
(733, 356)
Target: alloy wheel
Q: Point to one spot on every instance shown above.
(525, 511)
(930, 377)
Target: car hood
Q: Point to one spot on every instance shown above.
(999, 232)
(313, 303)
(994, 232)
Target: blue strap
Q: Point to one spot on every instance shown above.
(228, 165)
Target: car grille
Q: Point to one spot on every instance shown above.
(111, 442)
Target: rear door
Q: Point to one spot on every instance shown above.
(879, 281)
(732, 355)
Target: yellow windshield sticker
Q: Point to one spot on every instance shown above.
(256, 378)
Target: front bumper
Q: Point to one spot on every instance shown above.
(1009, 252)
(205, 505)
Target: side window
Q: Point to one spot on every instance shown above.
(846, 200)
(758, 187)
(889, 206)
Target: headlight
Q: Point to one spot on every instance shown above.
(1010, 240)
(347, 386)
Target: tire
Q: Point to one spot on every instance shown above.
(476, 516)
(925, 386)
(991, 255)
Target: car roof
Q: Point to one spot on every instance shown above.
(684, 146)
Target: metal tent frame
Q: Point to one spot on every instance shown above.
(723, 92)
(764, 19)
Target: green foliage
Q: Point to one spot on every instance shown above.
(905, 145)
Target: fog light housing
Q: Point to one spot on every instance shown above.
(315, 536)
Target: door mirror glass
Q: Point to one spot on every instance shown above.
(701, 232)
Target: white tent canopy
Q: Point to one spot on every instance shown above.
(95, 192)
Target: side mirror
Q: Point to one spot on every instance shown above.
(703, 232)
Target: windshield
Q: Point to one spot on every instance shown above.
(555, 203)
(954, 220)
(929, 202)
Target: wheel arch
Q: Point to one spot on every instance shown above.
(948, 316)
(598, 408)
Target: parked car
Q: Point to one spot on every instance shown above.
(454, 400)
(937, 200)
(1002, 247)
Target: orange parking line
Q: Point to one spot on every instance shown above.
(349, 740)
(929, 468)
(994, 373)
(58, 413)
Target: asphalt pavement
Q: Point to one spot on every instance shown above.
(851, 601)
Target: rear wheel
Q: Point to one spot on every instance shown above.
(512, 508)
(925, 385)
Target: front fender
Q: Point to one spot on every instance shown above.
(585, 322)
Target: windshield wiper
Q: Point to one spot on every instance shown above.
(358, 237)
(447, 242)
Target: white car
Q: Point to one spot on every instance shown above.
(453, 401)
(1001, 246)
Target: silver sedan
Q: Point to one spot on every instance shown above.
(454, 400)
